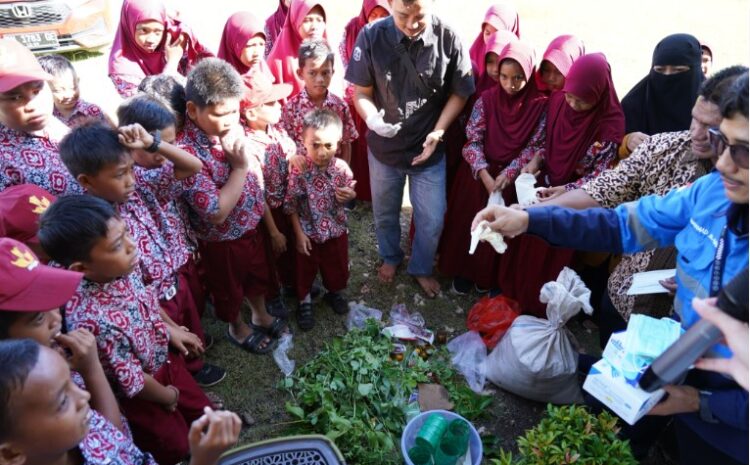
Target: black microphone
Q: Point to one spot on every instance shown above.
(671, 366)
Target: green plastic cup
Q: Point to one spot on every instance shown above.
(420, 455)
(447, 453)
(431, 432)
(458, 433)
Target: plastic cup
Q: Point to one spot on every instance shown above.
(420, 455)
(458, 434)
(432, 432)
(447, 453)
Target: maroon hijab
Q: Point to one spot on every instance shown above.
(240, 27)
(356, 24)
(496, 42)
(503, 18)
(570, 133)
(275, 22)
(511, 119)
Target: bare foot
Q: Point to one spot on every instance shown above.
(386, 273)
(429, 285)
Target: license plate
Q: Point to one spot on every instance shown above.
(37, 40)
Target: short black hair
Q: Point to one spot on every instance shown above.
(146, 111)
(322, 118)
(57, 65)
(7, 318)
(713, 88)
(736, 99)
(90, 147)
(69, 231)
(17, 357)
(314, 50)
(212, 81)
(168, 91)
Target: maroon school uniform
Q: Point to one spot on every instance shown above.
(82, 112)
(233, 252)
(34, 159)
(312, 195)
(132, 341)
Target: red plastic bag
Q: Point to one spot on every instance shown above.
(492, 317)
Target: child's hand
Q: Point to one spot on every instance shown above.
(82, 347)
(133, 136)
(211, 434)
(501, 182)
(187, 343)
(234, 147)
(172, 405)
(174, 50)
(304, 246)
(533, 167)
(347, 193)
(278, 243)
(298, 163)
(548, 193)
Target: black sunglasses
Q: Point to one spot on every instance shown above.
(719, 143)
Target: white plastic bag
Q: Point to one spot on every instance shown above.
(536, 359)
(525, 190)
(281, 354)
(359, 314)
(470, 358)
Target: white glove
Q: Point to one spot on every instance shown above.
(376, 123)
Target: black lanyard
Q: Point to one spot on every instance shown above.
(718, 266)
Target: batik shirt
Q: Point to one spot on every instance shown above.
(273, 147)
(83, 111)
(105, 444)
(202, 189)
(293, 114)
(123, 315)
(598, 158)
(34, 159)
(473, 151)
(312, 195)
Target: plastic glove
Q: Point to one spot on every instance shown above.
(376, 123)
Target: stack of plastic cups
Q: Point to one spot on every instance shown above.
(431, 432)
(440, 442)
(420, 455)
(458, 434)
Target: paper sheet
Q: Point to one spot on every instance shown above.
(648, 282)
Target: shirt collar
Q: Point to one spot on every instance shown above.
(79, 109)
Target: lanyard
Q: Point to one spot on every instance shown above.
(718, 266)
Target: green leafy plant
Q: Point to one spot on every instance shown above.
(356, 395)
(570, 434)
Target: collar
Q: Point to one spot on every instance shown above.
(427, 36)
(15, 134)
(79, 109)
(306, 97)
(737, 219)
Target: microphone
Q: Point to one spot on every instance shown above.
(671, 366)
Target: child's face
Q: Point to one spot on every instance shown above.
(42, 327)
(314, 24)
(321, 144)
(154, 160)
(112, 257)
(317, 76)
(577, 103)
(487, 30)
(266, 114)
(65, 90)
(377, 13)
(253, 51)
(551, 76)
(50, 413)
(26, 108)
(218, 119)
(512, 78)
(114, 182)
(148, 35)
(492, 65)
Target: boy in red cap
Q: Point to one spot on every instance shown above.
(227, 202)
(29, 134)
(260, 111)
(315, 201)
(20, 209)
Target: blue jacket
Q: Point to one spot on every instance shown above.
(690, 218)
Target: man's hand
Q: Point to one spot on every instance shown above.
(670, 284)
(428, 148)
(133, 136)
(376, 124)
(507, 221)
(211, 434)
(635, 139)
(185, 342)
(81, 345)
(682, 399)
(304, 246)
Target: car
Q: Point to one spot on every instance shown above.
(49, 26)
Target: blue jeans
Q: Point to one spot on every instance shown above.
(427, 193)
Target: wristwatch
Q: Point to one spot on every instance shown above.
(154, 147)
(704, 412)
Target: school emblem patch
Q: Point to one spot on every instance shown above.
(357, 55)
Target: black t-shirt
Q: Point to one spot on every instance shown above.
(443, 66)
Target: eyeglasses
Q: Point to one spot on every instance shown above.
(719, 143)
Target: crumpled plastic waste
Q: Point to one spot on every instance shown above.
(281, 354)
(483, 232)
(359, 314)
(525, 190)
(407, 326)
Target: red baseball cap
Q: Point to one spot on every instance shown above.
(18, 66)
(29, 286)
(20, 208)
(259, 89)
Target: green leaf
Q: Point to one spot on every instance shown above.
(295, 411)
(364, 389)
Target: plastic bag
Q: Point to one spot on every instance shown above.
(491, 317)
(470, 358)
(536, 359)
(359, 314)
(525, 190)
(281, 354)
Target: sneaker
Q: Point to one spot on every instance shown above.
(337, 302)
(208, 341)
(305, 316)
(460, 286)
(209, 375)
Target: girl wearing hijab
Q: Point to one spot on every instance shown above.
(243, 43)
(496, 42)
(275, 23)
(149, 41)
(505, 130)
(663, 100)
(585, 125)
(499, 17)
(560, 55)
(306, 20)
(372, 10)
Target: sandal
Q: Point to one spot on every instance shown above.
(253, 343)
(277, 329)
(305, 316)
